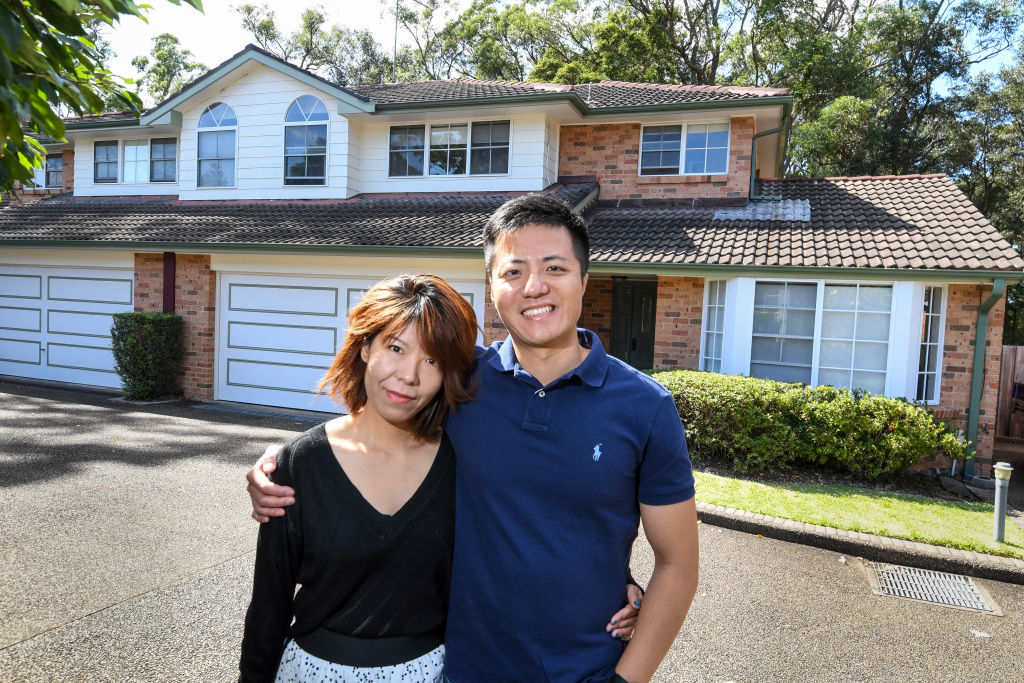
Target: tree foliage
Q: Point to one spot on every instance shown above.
(49, 59)
(167, 69)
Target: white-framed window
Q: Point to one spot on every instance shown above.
(448, 143)
(475, 148)
(822, 333)
(104, 161)
(216, 153)
(714, 325)
(929, 367)
(55, 170)
(135, 167)
(163, 155)
(691, 149)
(305, 142)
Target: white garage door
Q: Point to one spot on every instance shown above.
(55, 322)
(278, 335)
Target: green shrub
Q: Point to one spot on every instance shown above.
(763, 425)
(148, 352)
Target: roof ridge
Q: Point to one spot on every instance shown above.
(735, 89)
(862, 178)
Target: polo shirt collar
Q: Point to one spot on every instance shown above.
(591, 371)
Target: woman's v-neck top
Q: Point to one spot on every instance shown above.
(361, 573)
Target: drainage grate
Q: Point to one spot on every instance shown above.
(939, 588)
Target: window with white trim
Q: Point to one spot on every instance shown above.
(55, 170)
(714, 326)
(305, 142)
(705, 152)
(216, 153)
(929, 363)
(448, 144)
(476, 148)
(822, 333)
(163, 153)
(104, 160)
(135, 168)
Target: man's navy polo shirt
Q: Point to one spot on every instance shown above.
(547, 489)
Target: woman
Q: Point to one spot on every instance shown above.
(370, 538)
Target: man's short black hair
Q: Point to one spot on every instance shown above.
(537, 209)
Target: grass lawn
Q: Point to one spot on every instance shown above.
(955, 524)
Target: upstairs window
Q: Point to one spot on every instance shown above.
(216, 154)
(490, 148)
(705, 152)
(454, 149)
(136, 162)
(104, 162)
(54, 170)
(305, 142)
(405, 151)
(448, 149)
(162, 160)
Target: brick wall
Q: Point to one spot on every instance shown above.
(68, 177)
(494, 329)
(962, 305)
(677, 322)
(597, 310)
(195, 301)
(612, 153)
(149, 282)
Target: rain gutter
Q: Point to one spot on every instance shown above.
(978, 371)
(786, 112)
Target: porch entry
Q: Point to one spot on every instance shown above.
(633, 308)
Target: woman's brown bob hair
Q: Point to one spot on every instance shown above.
(447, 329)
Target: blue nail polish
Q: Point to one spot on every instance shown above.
(636, 603)
(614, 622)
(615, 635)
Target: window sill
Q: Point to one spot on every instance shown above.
(681, 179)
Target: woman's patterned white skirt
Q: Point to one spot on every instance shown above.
(298, 666)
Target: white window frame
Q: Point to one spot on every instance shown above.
(200, 129)
(47, 171)
(326, 123)
(177, 148)
(137, 143)
(116, 162)
(705, 317)
(430, 147)
(469, 149)
(682, 148)
(943, 307)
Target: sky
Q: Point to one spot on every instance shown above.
(216, 34)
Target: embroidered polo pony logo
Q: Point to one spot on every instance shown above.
(597, 452)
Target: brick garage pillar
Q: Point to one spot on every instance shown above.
(149, 283)
(597, 310)
(494, 329)
(68, 170)
(962, 305)
(195, 301)
(677, 322)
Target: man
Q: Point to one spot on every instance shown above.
(562, 452)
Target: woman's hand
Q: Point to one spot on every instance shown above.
(268, 499)
(622, 623)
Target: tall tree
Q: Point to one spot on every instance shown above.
(47, 59)
(167, 69)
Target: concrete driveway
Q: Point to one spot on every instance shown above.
(126, 553)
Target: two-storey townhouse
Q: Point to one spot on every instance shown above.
(260, 202)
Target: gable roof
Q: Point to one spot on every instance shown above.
(906, 223)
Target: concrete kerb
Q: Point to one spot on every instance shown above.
(866, 546)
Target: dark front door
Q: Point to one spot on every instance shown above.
(633, 321)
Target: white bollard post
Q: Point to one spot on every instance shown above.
(1002, 472)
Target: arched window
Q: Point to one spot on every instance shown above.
(216, 155)
(305, 142)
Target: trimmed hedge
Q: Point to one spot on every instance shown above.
(762, 425)
(149, 349)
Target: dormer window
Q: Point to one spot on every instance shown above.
(490, 148)
(448, 149)
(706, 149)
(216, 153)
(305, 142)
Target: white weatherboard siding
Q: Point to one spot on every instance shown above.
(277, 334)
(260, 97)
(84, 169)
(526, 157)
(55, 322)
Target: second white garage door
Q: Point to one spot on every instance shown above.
(277, 335)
